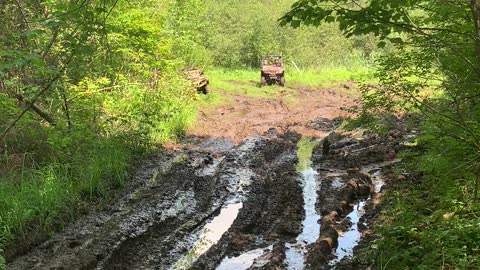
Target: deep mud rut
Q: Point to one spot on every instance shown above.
(276, 201)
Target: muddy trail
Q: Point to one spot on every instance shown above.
(296, 108)
(279, 200)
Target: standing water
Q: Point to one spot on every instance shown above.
(244, 261)
(350, 239)
(295, 255)
(210, 235)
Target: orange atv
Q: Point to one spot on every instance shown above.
(272, 71)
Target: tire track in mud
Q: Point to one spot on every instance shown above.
(150, 226)
(351, 175)
(174, 197)
(155, 223)
(269, 216)
(217, 181)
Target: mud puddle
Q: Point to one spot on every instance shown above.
(246, 260)
(351, 238)
(210, 234)
(348, 240)
(310, 227)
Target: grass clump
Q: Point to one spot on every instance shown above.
(328, 76)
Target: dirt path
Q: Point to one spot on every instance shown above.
(238, 193)
(297, 109)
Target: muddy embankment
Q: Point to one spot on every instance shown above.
(214, 205)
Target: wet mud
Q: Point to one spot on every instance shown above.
(156, 222)
(285, 198)
(296, 109)
(353, 172)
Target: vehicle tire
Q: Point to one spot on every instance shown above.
(282, 81)
(263, 81)
(203, 90)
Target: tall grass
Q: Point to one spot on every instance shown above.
(41, 194)
(85, 163)
(327, 76)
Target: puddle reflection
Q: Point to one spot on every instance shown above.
(210, 235)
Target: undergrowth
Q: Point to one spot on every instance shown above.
(431, 219)
(47, 173)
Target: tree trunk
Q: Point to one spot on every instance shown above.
(475, 7)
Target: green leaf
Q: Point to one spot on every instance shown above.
(330, 18)
(396, 40)
(381, 44)
(295, 23)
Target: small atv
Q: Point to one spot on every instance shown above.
(272, 71)
(198, 79)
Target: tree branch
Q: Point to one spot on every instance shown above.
(35, 98)
(37, 110)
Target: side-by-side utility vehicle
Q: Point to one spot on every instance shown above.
(272, 71)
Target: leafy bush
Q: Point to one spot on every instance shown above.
(104, 90)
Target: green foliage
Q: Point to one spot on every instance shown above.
(187, 23)
(433, 71)
(380, 17)
(239, 33)
(2, 261)
(41, 194)
(431, 223)
(105, 77)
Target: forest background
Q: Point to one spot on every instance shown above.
(88, 86)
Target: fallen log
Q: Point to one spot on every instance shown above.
(37, 109)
